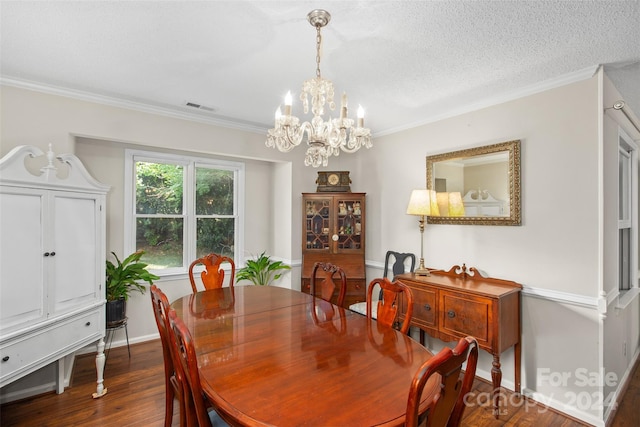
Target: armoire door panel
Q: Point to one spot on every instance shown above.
(75, 248)
(22, 297)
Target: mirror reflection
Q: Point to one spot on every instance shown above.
(477, 186)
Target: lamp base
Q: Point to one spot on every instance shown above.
(422, 272)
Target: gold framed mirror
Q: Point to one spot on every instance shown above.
(478, 186)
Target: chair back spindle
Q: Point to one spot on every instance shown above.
(387, 306)
(322, 276)
(213, 275)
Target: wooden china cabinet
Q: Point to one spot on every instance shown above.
(333, 230)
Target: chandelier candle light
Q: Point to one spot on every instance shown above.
(324, 139)
(422, 203)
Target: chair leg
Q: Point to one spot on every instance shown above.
(183, 412)
(168, 404)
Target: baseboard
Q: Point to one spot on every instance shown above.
(622, 389)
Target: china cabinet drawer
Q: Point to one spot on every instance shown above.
(463, 315)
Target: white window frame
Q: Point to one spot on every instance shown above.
(629, 150)
(189, 238)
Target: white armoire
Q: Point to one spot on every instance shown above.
(52, 263)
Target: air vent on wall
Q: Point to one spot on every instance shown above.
(199, 106)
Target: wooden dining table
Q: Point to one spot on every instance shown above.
(271, 356)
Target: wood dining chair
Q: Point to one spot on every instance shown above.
(173, 379)
(448, 404)
(399, 262)
(324, 275)
(213, 274)
(394, 263)
(198, 410)
(387, 306)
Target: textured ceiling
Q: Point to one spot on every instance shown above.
(406, 62)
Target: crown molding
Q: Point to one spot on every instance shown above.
(128, 104)
(545, 85)
(501, 98)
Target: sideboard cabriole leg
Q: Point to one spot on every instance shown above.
(496, 379)
(518, 363)
(100, 360)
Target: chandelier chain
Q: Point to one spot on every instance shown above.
(318, 47)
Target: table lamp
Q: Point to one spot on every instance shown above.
(450, 204)
(422, 203)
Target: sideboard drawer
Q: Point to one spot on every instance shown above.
(464, 314)
(425, 307)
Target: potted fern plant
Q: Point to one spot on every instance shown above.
(261, 271)
(123, 278)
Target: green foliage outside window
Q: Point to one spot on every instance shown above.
(159, 208)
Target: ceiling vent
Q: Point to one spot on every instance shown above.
(199, 106)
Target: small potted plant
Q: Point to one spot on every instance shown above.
(261, 271)
(122, 279)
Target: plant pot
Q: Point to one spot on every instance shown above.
(116, 311)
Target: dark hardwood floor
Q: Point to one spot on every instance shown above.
(136, 398)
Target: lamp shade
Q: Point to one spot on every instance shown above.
(450, 204)
(456, 207)
(423, 202)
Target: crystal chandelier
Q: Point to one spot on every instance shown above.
(324, 139)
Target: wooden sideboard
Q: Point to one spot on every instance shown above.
(449, 305)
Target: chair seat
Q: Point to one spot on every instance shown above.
(361, 307)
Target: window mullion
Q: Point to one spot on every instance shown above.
(190, 217)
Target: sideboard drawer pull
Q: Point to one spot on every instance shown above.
(87, 324)
(451, 314)
(5, 359)
(427, 307)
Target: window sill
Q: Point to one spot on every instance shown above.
(627, 297)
